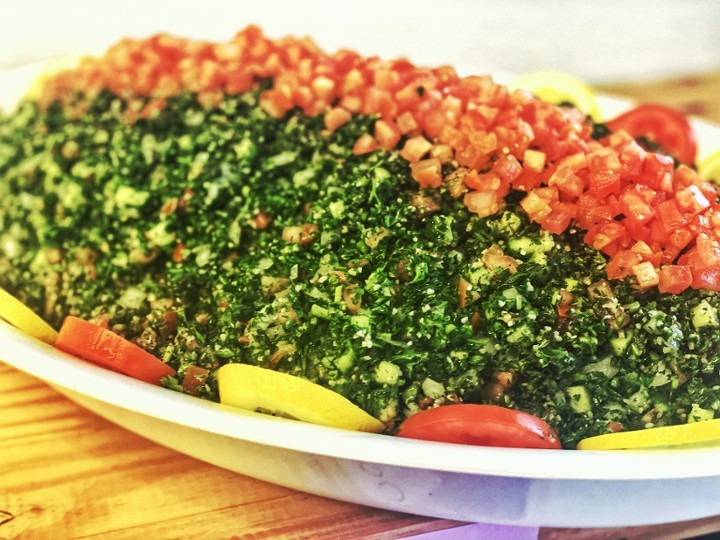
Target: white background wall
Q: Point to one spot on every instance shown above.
(604, 40)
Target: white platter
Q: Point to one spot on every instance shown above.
(491, 485)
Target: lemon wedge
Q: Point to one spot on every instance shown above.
(558, 87)
(709, 167)
(25, 319)
(694, 434)
(255, 388)
(49, 68)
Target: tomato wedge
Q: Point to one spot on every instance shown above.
(105, 348)
(480, 425)
(663, 125)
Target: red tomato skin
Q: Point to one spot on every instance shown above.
(480, 425)
(663, 125)
(105, 348)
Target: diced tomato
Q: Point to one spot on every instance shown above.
(632, 202)
(640, 234)
(680, 237)
(592, 211)
(657, 172)
(415, 148)
(304, 98)
(707, 278)
(345, 60)
(576, 162)
(560, 217)
(443, 152)
(470, 156)
(507, 168)
(646, 275)
(691, 200)
(275, 103)
(427, 172)
(684, 176)
(336, 117)
(323, 87)
(536, 207)
(352, 102)
(607, 237)
(527, 180)
(657, 234)
(549, 193)
(604, 173)
(632, 157)
(708, 251)
(534, 160)
(483, 203)
(565, 179)
(635, 208)
(674, 279)
(431, 121)
(353, 81)
(387, 134)
(647, 253)
(670, 215)
(483, 181)
(407, 97)
(622, 263)
(237, 82)
(379, 101)
(365, 144)
(406, 123)
(486, 143)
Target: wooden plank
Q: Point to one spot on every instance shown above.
(65, 472)
(696, 95)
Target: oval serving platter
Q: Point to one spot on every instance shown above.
(492, 485)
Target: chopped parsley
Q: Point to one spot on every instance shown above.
(216, 235)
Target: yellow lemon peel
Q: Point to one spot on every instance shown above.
(25, 319)
(255, 388)
(695, 434)
(709, 167)
(558, 87)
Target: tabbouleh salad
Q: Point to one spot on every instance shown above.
(209, 227)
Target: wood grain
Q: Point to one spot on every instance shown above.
(697, 95)
(67, 473)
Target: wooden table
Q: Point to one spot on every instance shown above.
(67, 473)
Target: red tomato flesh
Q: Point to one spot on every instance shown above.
(480, 425)
(617, 191)
(105, 348)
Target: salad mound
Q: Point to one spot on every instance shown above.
(402, 236)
